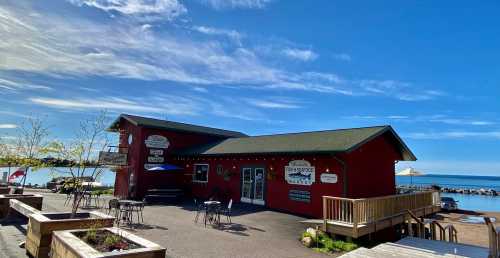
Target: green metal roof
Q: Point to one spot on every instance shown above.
(169, 125)
(332, 141)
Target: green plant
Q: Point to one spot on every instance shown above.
(91, 235)
(112, 240)
(324, 243)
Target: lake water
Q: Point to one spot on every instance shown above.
(42, 176)
(465, 201)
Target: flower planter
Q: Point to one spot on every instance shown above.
(65, 244)
(4, 190)
(41, 226)
(33, 200)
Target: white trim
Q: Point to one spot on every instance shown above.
(247, 200)
(194, 172)
(258, 202)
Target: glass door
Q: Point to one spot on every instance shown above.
(246, 185)
(252, 185)
(258, 197)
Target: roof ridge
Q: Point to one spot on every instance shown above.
(181, 123)
(318, 131)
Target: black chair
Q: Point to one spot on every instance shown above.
(200, 207)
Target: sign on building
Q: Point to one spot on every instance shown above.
(157, 141)
(112, 158)
(299, 195)
(328, 178)
(155, 159)
(299, 172)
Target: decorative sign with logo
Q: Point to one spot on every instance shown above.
(328, 178)
(112, 158)
(299, 172)
(157, 141)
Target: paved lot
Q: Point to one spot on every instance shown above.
(254, 232)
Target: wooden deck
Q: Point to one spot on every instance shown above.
(359, 217)
(419, 248)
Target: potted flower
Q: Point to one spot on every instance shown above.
(103, 242)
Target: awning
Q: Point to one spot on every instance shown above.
(164, 167)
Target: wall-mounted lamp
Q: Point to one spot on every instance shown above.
(327, 170)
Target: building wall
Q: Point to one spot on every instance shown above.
(372, 168)
(369, 170)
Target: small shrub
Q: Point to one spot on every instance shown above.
(326, 244)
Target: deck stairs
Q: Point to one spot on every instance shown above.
(411, 247)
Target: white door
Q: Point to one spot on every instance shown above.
(252, 185)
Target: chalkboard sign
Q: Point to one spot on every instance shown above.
(299, 196)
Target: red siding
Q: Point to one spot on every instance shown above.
(369, 170)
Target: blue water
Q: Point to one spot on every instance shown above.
(465, 201)
(42, 176)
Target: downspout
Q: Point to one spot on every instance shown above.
(344, 175)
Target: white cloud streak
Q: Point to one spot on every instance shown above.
(300, 54)
(145, 9)
(8, 126)
(273, 103)
(237, 4)
(454, 135)
(231, 34)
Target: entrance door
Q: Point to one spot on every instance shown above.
(252, 185)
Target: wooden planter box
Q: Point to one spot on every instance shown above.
(33, 200)
(66, 245)
(41, 226)
(4, 190)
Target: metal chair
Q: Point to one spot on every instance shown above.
(227, 212)
(200, 207)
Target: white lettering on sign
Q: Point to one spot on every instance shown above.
(112, 158)
(299, 172)
(155, 159)
(328, 178)
(156, 152)
(157, 141)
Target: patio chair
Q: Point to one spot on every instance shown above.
(199, 206)
(227, 212)
(69, 196)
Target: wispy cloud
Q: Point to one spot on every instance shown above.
(8, 126)
(453, 135)
(277, 103)
(342, 57)
(146, 9)
(444, 119)
(300, 54)
(10, 85)
(231, 34)
(237, 4)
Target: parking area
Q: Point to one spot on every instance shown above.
(254, 232)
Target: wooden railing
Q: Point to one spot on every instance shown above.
(424, 226)
(363, 211)
(494, 239)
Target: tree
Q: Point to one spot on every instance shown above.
(82, 150)
(31, 141)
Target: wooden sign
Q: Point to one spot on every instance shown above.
(299, 172)
(299, 195)
(328, 178)
(157, 141)
(112, 158)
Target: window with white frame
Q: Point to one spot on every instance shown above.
(200, 173)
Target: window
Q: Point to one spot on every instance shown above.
(200, 173)
(219, 170)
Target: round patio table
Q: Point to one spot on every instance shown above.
(128, 207)
(212, 209)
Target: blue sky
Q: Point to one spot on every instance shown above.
(428, 68)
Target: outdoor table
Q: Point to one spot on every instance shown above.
(212, 212)
(129, 206)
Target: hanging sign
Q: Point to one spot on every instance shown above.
(112, 158)
(156, 159)
(156, 152)
(157, 141)
(299, 172)
(328, 178)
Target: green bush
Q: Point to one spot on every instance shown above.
(327, 245)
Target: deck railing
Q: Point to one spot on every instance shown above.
(367, 210)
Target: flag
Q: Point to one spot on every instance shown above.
(18, 173)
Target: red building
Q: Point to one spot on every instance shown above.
(288, 172)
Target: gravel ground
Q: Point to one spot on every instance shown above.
(253, 233)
